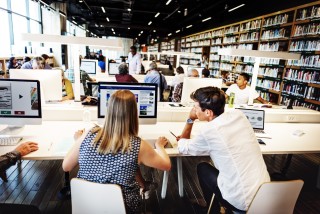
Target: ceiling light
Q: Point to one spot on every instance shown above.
(169, 34)
(102, 8)
(96, 25)
(168, 2)
(177, 31)
(101, 25)
(157, 15)
(114, 32)
(241, 5)
(136, 38)
(154, 31)
(107, 19)
(206, 19)
(185, 12)
(62, 14)
(112, 29)
(189, 26)
(75, 22)
(179, 11)
(155, 40)
(141, 32)
(73, 17)
(129, 9)
(150, 23)
(87, 30)
(80, 1)
(128, 28)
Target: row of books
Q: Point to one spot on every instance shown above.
(214, 65)
(226, 66)
(256, 24)
(274, 34)
(268, 84)
(305, 45)
(216, 41)
(307, 61)
(230, 39)
(196, 50)
(303, 76)
(285, 101)
(307, 29)
(270, 97)
(198, 37)
(269, 72)
(200, 43)
(232, 29)
(273, 46)
(276, 20)
(245, 46)
(217, 33)
(214, 57)
(309, 13)
(253, 36)
(244, 68)
(302, 91)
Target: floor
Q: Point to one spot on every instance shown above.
(38, 183)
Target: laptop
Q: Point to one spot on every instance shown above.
(256, 118)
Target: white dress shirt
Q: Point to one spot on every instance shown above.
(134, 63)
(232, 145)
(241, 95)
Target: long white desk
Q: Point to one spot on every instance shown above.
(55, 138)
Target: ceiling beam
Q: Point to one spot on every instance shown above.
(132, 26)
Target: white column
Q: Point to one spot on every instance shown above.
(178, 60)
(76, 68)
(254, 80)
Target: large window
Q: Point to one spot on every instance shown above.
(19, 6)
(5, 35)
(34, 8)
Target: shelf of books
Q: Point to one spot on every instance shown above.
(167, 46)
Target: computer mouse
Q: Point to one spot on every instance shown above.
(298, 133)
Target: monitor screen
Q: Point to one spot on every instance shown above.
(113, 68)
(20, 102)
(191, 84)
(146, 97)
(255, 117)
(90, 66)
(51, 83)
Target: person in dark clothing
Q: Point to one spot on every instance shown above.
(124, 75)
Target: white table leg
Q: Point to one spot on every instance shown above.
(180, 176)
(164, 184)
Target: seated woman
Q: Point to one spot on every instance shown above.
(124, 75)
(13, 63)
(67, 90)
(117, 149)
(178, 78)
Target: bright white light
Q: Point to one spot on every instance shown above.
(114, 32)
(112, 29)
(241, 5)
(129, 9)
(75, 22)
(96, 25)
(169, 34)
(108, 19)
(87, 30)
(102, 8)
(177, 31)
(141, 32)
(150, 23)
(62, 14)
(168, 2)
(157, 15)
(206, 19)
(154, 31)
(189, 26)
(128, 28)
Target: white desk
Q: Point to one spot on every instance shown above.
(55, 138)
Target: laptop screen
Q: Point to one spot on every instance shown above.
(255, 117)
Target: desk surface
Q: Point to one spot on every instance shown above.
(55, 138)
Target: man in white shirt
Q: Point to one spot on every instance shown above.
(134, 60)
(242, 91)
(232, 145)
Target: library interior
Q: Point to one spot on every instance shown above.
(126, 106)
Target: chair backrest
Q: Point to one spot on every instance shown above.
(90, 197)
(276, 197)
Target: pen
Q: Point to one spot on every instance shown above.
(173, 134)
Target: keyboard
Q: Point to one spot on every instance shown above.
(9, 141)
(259, 131)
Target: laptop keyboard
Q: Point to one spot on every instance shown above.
(258, 131)
(9, 141)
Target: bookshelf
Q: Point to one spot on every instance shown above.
(168, 46)
(294, 30)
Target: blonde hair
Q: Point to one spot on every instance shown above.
(120, 124)
(39, 61)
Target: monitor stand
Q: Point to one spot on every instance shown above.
(10, 130)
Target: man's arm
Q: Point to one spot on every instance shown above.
(188, 127)
(261, 100)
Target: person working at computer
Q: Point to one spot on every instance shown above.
(124, 75)
(117, 149)
(205, 73)
(36, 63)
(193, 73)
(154, 76)
(13, 63)
(102, 63)
(228, 137)
(46, 65)
(67, 90)
(178, 78)
(134, 60)
(9, 159)
(242, 91)
(85, 78)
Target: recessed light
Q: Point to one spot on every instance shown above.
(204, 20)
(150, 23)
(112, 29)
(169, 34)
(107, 19)
(179, 11)
(241, 5)
(128, 28)
(129, 9)
(141, 32)
(168, 2)
(189, 26)
(154, 31)
(96, 25)
(157, 15)
(114, 32)
(177, 31)
(102, 8)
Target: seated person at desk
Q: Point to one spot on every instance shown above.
(10, 159)
(178, 78)
(205, 73)
(46, 65)
(228, 78)
(124, 75)
(229, 139)
(67, 90)
(102, 63)
(84, 78)
(154, 76)
(13, 63)
(36, 63)
(117, 148)
(177, 92)
(193, 73)
(242, 91)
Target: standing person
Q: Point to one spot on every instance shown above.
(154, 76)
(117, 149)
(204, 61)
(124, 75)
(242, 91)
(102, 63)
(230, 141)
(134, 60)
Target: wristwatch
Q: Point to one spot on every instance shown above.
(190, 121)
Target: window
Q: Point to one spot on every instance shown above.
(19, 26)
(5, 36)
(19, 6)
(34, 10)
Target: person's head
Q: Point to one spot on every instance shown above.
(209, 102)
(12, 61)
(180, 70)
(224, 74)
(153, 66)
(194, 73)
(26, 59)
(243, 80)
(133, 50)
(45, 56)
(204, 56)
(38, 62)
(205, 73)
(120, 123)
(123, 69)
(101, 58)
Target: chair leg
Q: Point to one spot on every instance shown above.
(164, 184)
(180, 176)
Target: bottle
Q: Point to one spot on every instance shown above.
(231, 100)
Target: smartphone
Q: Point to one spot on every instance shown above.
(261, 142)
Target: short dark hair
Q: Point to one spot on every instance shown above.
(211, 98)
(205, 72)
(180, 70)
(123, 69)
(133, 48)
(44, 56)
(245, 76)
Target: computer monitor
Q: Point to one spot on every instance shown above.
(51, 83)
(89, 65)
(146, 96)
(191, 84)
(113, 68)
(20, 102)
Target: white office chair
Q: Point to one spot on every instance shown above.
(276, 197)
(90, 197)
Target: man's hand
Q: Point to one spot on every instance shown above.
(192, 114)
(27, 147)
(161, 142)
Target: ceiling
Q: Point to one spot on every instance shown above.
(129, 18)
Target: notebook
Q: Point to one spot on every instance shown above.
(151, 139)
(256, 118)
